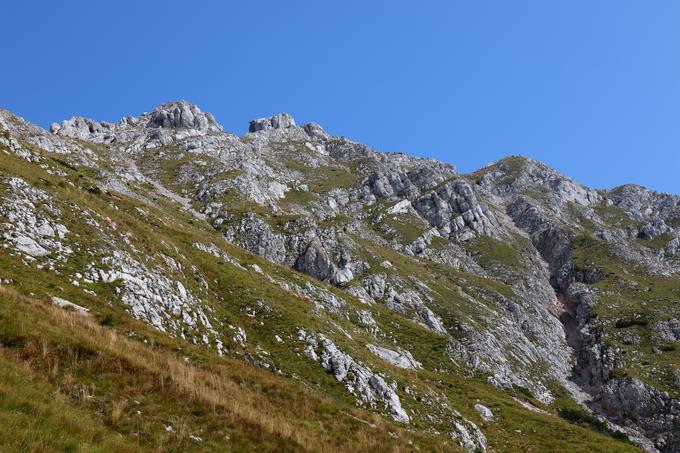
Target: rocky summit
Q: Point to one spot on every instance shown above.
(179, 287)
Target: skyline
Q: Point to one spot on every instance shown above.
(244, 130)
(591, 89)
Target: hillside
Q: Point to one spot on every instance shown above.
(177, 287)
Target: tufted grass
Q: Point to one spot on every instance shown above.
(489, 251)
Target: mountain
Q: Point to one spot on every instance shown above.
(169, 285)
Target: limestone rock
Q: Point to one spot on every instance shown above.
(484, 412)
(278, 121)
(368, 388)
(181, 114)
(401, 358)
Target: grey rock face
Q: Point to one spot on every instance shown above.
(154, 296)
(653, 230)
(79, 127)
(644, 204)
(182, 114)
(19, 127)
(257, 236)
(315, 131)
(324, 255)
(646, 408)
(401, 359)
(629, 402)
(30, 224)
(484, 412)
(546, 206)
(402, 302)
(368, 387)
(454, 210)
(517, 174)
(321, 253)
(672, 247)
(63, 303)
(668, 330)
(15, 147)
(315, 261)
(167, 124)
(278, 121)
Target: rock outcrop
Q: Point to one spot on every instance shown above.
(278, 121)
(369, 388)
(182, 115)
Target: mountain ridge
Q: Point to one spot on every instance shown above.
(188, 104)
(517, 275)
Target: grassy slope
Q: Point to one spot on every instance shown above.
(67, 363)
(35, 417)
(275, 412)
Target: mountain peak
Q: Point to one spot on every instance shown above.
(169, 115)
(278, 121)
(181, 114)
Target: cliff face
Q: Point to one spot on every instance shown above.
(513, 275)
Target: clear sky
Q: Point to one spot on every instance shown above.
(590, 87)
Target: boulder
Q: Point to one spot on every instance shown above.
(484, 412)
(401, 358)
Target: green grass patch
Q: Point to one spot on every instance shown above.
(657, 243)
(488, 251)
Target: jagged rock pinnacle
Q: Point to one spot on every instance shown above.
(170, 115)
(179, 114)
(278, 121)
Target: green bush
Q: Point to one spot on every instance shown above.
(581, 417)
(108, 320)
(628, 322)
(618, 373)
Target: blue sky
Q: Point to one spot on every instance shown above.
(589, 87)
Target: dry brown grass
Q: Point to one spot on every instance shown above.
(117, 411)
(199, 384)
(230, 385)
